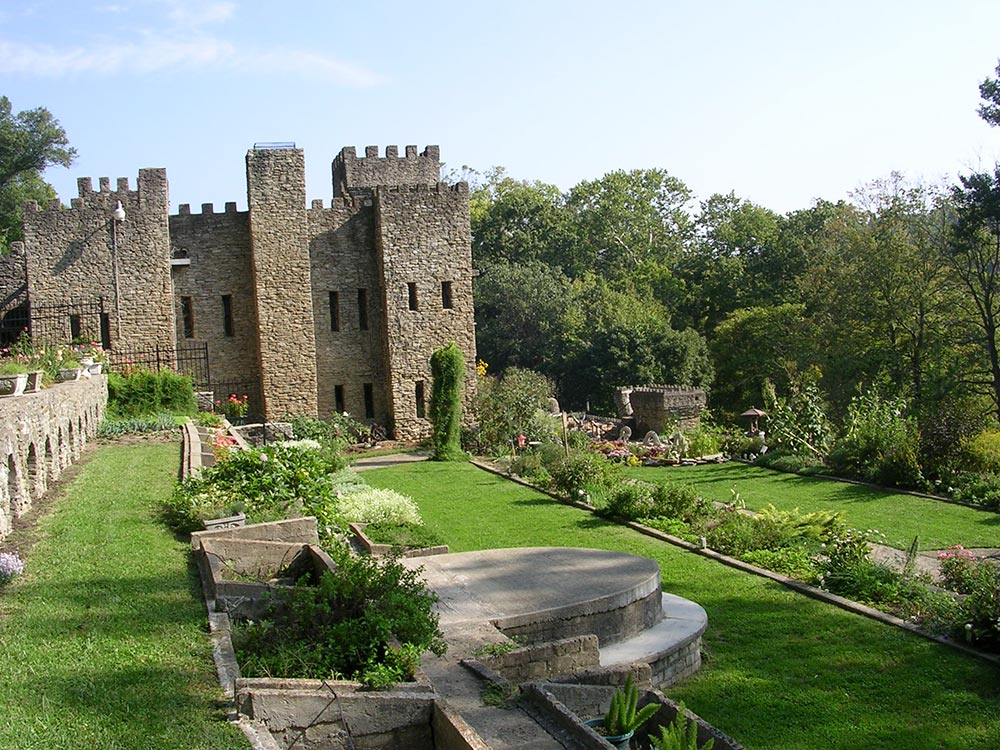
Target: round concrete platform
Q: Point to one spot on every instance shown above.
(546, 591)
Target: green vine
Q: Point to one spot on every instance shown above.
(448, 371)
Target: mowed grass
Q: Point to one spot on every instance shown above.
(781, 671)
(103, 640)
(899, 516)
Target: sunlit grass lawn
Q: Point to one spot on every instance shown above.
(899, 516)
(103, 641)
(781, 671)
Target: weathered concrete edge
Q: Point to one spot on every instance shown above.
(797, 586)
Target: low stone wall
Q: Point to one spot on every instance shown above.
(654, 406)
(40, 435)
(546, 659)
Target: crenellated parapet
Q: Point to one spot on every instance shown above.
(352, 173)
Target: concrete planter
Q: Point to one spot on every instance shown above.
(34, 382)
(70, 375)
(12, 385)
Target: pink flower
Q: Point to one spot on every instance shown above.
(263, 457)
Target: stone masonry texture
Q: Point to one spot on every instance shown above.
(323, 307)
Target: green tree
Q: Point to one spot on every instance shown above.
(521, 222)
(989, 91)
(974, 253)
(448, 372)
(628, 220)
(30, 141)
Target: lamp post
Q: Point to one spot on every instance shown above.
(118, 216)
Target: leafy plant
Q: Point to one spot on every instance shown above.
(142, 392)
(585, 473)
(344, 625)
(623, 715)
(513, 405)
(136, 425)
(680, 734)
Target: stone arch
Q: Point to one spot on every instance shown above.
(37, 475)
(8, 490)
(52, 467)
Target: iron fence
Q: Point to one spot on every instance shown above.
(189, 358)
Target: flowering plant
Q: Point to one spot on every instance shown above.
(235, 406)
(10, 565)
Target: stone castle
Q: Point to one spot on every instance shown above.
(323, 308)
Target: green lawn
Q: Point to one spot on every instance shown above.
(900, 517)
(781, 671)
(102, 640)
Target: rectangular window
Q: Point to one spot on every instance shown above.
(187, 315)
(75, 329)
(227, 314)
(411, 291)
(369, 401)
(446, 295)
(338, 399)
(335, 314)
(418, 393)
(106, 330)
(363, 309)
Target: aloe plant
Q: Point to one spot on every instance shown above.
(622, 717)
(681, 734)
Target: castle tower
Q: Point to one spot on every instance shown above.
(279, 241)
(85, 257)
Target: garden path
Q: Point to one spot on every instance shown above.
(392, 459)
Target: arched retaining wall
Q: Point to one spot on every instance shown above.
(40, 435)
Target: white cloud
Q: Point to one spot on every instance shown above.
(184, 52)
(195, 14)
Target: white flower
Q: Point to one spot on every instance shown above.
(263, 457)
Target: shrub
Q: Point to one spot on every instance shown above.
(981, 608)
(959, 568)
(739, 533)
(980, 489)
(586, 473)
(792, 463)
(794, 562)
(142, 392)
(514, 405)
(981, 452)
(680, 501)
(405, 535)
(630, 501)
(342, 626)
(448, 371)
(268, 484)
(373, 505)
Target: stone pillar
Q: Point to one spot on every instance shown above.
(276, 195)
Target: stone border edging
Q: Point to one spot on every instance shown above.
(797, 586)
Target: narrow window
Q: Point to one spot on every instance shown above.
(338, 399)
(363, 309)
(75, 329)
(105, 330)
(418, 393)
(369, 401)
(335, 314)
(187, 314)
(227, 314)
(446, 295)
(411, 290)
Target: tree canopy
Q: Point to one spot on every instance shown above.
(30, 141)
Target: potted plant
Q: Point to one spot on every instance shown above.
(69, 369)
(623, 717)
(13, 376)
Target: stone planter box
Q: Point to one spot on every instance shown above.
(70, 375)
(379, 550)
(12, 385)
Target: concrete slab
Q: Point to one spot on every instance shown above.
(511, 587)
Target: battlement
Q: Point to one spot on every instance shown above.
(351, 172)
(438, 187)
(184, 209)
(151, 190)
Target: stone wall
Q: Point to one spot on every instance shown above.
(424, 244)
(547, 659)
(81, 254)
(353, 174)
(276, 195)
(40, 435)
(656, 407)
(210, 257)
(13, 293)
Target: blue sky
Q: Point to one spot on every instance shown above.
(781, 102)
